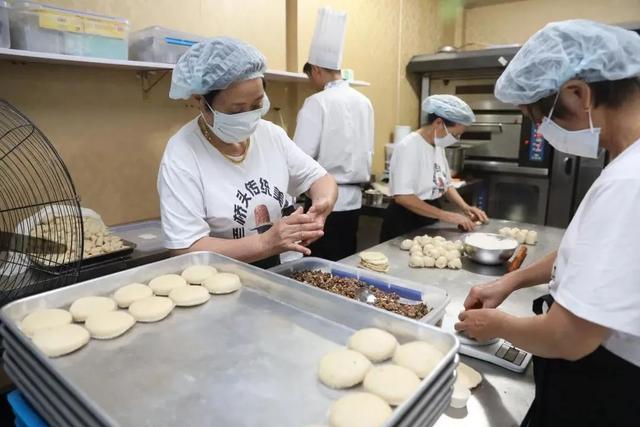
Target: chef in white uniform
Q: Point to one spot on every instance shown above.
(581, 79)
(335, 127)
(419, 173)
(226, 176)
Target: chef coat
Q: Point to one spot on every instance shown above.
(597, 271)
(335, 127)
(203, 193)
(419, 168)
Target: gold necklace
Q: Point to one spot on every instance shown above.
(205, 131)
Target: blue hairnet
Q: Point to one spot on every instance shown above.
(213, 65)
(561, 51)
(449, 107)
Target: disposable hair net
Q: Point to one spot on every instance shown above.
(449, 107)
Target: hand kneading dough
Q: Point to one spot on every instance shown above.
(359, 410)
(393, 383)
(60, 340)
(151, 309)
(416, 261)
(164, 284)
(44, 319)
(222, 283)
(468, 376)
(441, 262)
(429, 261)
(86, 306)
(187, 296)
(455, 264)
(125, 295)
(196, 274)
(375, 344)
(418, 356)
(406, 244)
(343, 368)
(110, 324)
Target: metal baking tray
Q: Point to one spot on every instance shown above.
(435, 298)
(125, 251)
(247, 358)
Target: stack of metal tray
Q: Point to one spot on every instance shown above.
(243, 359)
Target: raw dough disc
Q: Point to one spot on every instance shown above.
(151, 309)
(196, 274)
(127, 294)
(222, 283)
(343, 368)
(418, 356)
(60, 340)
(393, 383)
(381, 268)
(44, 319)
(110, 324)
(86, 306)
(375, 258)
(375, 344)
(460, 395)
(468, 376)
(359, 410)
(164, 284)
(187, 296)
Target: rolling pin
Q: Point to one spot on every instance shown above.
(517, 259)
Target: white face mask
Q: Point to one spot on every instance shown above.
(234, 128)
(446, 141)
(582, 143)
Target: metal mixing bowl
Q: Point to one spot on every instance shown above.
(489, 256)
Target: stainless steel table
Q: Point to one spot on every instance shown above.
(504, 396)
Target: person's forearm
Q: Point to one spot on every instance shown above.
(417, 206)
(454, 197)
(537, 273)
(247, 249)
(324, 188)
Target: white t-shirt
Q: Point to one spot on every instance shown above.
(597, 272)
(202, 193)
(419, 168)
(335, 126)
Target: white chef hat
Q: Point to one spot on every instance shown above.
(449, 107)
(327, 45)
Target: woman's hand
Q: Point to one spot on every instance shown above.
(290, 233)
(482, 324)
(477, 214)
(460, 220)
(489, 295)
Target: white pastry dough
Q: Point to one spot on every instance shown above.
(433, 253)
(343, 368)
(196, 274)
(359, 410)
(44, 319)
(532, 238)
(151, 309)
(188, 296)
(415, 250)
(86, 306)
(416, 261)
(375, 344)
(392, 383)
(418, 356)
(455, 264)
(222, 283)
(439, 239)
(406, 244)
(468, 376)
(60, 340)
(505, 231)
(453, 254)
(127, 294)
(110, 324)
(450, 246)
(521, 236)
(460, 395)
(441, 262)
(459, 245)
(429, 262)
(164, 284)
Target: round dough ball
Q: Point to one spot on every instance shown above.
(468, 376)
(164, 284)
(406, 244)
(418, 356)
(110, 324)
(343, 368)
(433, 253)
(441, 262)
(151, 309)
(429, 261)
(416, 261)
(428, 247)
(453, 254)
(459, 245)
(505, 231)
(455, 264)
(44, 319)
(415, 250)
(196, 274)
(440, 239)
(127, 294)
(359, 410)
(393, 383)
(521, 236)
(460, 396)
(60, 340)
(532, 238)
(86, 306)
(222, 283)
(450, 246)
(375, 344)
(514, 232)
(188, 296)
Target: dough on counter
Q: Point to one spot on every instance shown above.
(468, 376)
(505, 231)
(343, 368)
(151, 309)
(428, 247)
(108, 325)
(416, 261)
(450, 246)
(521, 236)
(418, 356)
(415, 249)
(86, 306)
(453, 254)
(429, 261)
(127, 294)
(61, 340)
(433, 253)
(460, 395)
(441, 262)
(164, 284)
(375, 344)
(359, 410)
(439, 239)
(44, 319)
(532, 238)
(393, 383)
(406, 244)
(459, 245)
(222, 283)
(188, 296)
(514, 232)
(455, 264)
(376, 261)
(196, 274)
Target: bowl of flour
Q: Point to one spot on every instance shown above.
(489, 248)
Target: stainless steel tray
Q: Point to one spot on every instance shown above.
(248, 358)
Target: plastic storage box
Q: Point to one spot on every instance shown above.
(158, 44)
(25, 415)
(4, 24)
(44, 28)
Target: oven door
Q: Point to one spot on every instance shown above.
(493, 136)
(518, 198)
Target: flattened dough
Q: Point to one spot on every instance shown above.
(468, 376)
(151, 309)
(222, 283)
(392, 383)
(108, 325)
(196, 274)
(44, 319)
(418, 356)
(343, 368)
(61, 340)
(127, 294)
(86, 306)
(375, 344)
(164, 284)
(188, 296)
(359, 410)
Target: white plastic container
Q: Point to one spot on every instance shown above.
(44, 28)
(5, 40)
(158, 44)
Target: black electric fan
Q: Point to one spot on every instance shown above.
(41, 229)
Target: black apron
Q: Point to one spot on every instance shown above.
(601, 389)
(399, 220)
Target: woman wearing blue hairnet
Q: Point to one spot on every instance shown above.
(419, 173)
(226, 176)
(581, 80)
